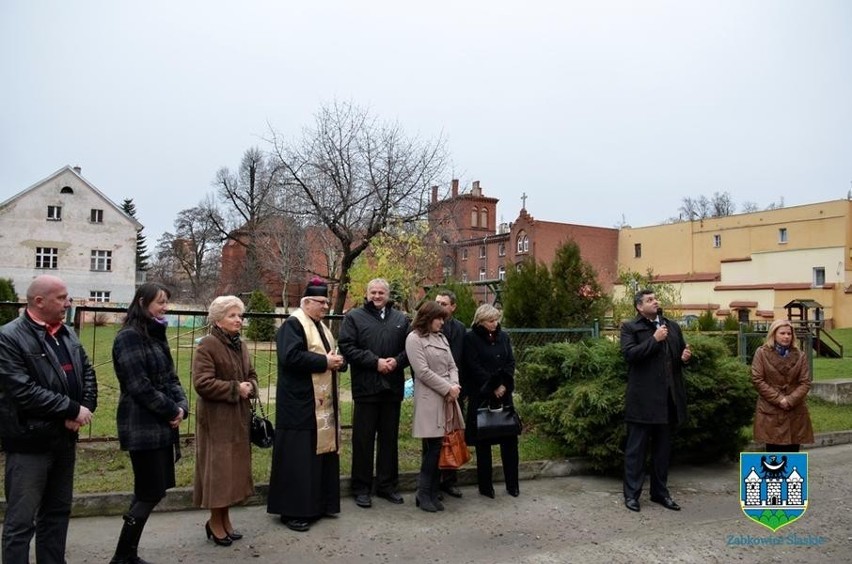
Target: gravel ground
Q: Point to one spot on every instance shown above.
(555, 520)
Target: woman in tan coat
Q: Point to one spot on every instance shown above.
(781, 377)
(225, 382)
(436, 391)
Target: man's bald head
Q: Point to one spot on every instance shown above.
(47, 299)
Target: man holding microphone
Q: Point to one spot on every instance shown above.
(656, 352)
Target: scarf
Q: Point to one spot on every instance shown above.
(233, 341)
(325, 388)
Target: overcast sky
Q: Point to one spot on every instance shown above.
(601, 112)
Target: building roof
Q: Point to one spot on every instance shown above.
(68, 168)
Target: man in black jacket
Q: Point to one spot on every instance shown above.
(372, 340)
(656, 398)
(47, 392)
(454, 330)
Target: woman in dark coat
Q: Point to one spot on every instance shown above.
(304, 484)
(225, 380)
(780, 374)
(488, 379)
(151, 406)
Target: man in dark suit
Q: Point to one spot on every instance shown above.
(656, 398)
(454, 331)
(372, 340)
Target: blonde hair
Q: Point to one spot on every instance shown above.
(776, 325)
(486, 312)
(220, 306)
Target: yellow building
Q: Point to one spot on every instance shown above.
(752, 264)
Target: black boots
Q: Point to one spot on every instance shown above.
(430, 478)
(128, 541)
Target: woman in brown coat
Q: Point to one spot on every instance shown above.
(436, 391)
(780, 374)
(225, 382)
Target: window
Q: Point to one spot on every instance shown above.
(474, 216)
(66, 190)
(501, 272)
(637, 250)
(101, 261)
(99, 296)
(97, 216)
(482, 273)
(47, 257)
(482, 251)
(483, 218)
(54, 213)
(501, 249)
(717, 241)
(464, 276)
(464, 254)
(523, 243)
(782, 235)
(819, 276)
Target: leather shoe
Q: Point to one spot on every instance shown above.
(235, 535)
(666, 502)
(514, 492)
(363, 500)
(392, 497)
(487, 493)
(296, 524)
(451, 490)
(632, 504)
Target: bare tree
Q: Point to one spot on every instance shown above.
(722, 205)
(353, 175)
(247, 199)
(189, 259)
(284, 250)
(749, 207)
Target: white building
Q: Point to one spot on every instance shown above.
(64, 226)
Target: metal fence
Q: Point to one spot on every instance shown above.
(96, 326)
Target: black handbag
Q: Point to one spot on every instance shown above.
(261, 430)
(497, 423)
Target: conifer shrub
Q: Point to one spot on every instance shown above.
(260, 328)
(574, 392)
(7, 294)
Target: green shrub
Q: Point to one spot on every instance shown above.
(260, 328)
(730, 323)
(707, 321)
(7, 294)
(574, 392)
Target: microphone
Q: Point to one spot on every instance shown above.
(659, 320)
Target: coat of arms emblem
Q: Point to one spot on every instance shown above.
(774, 487)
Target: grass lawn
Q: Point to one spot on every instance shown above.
(833, 368)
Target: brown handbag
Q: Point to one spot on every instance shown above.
(454, 453)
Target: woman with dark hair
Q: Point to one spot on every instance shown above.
(151, 406)
(489, 379)
(780, 374)
(224, 378)
(436, 391)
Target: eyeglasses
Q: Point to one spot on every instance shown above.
(319, 301)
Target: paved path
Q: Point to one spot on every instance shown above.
(555, 520)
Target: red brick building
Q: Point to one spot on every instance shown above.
(479, 251)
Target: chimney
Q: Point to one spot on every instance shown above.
(455, 192)
(476, 190)
(78, 170)
(434, 194)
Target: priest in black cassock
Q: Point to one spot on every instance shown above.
(305, 481)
